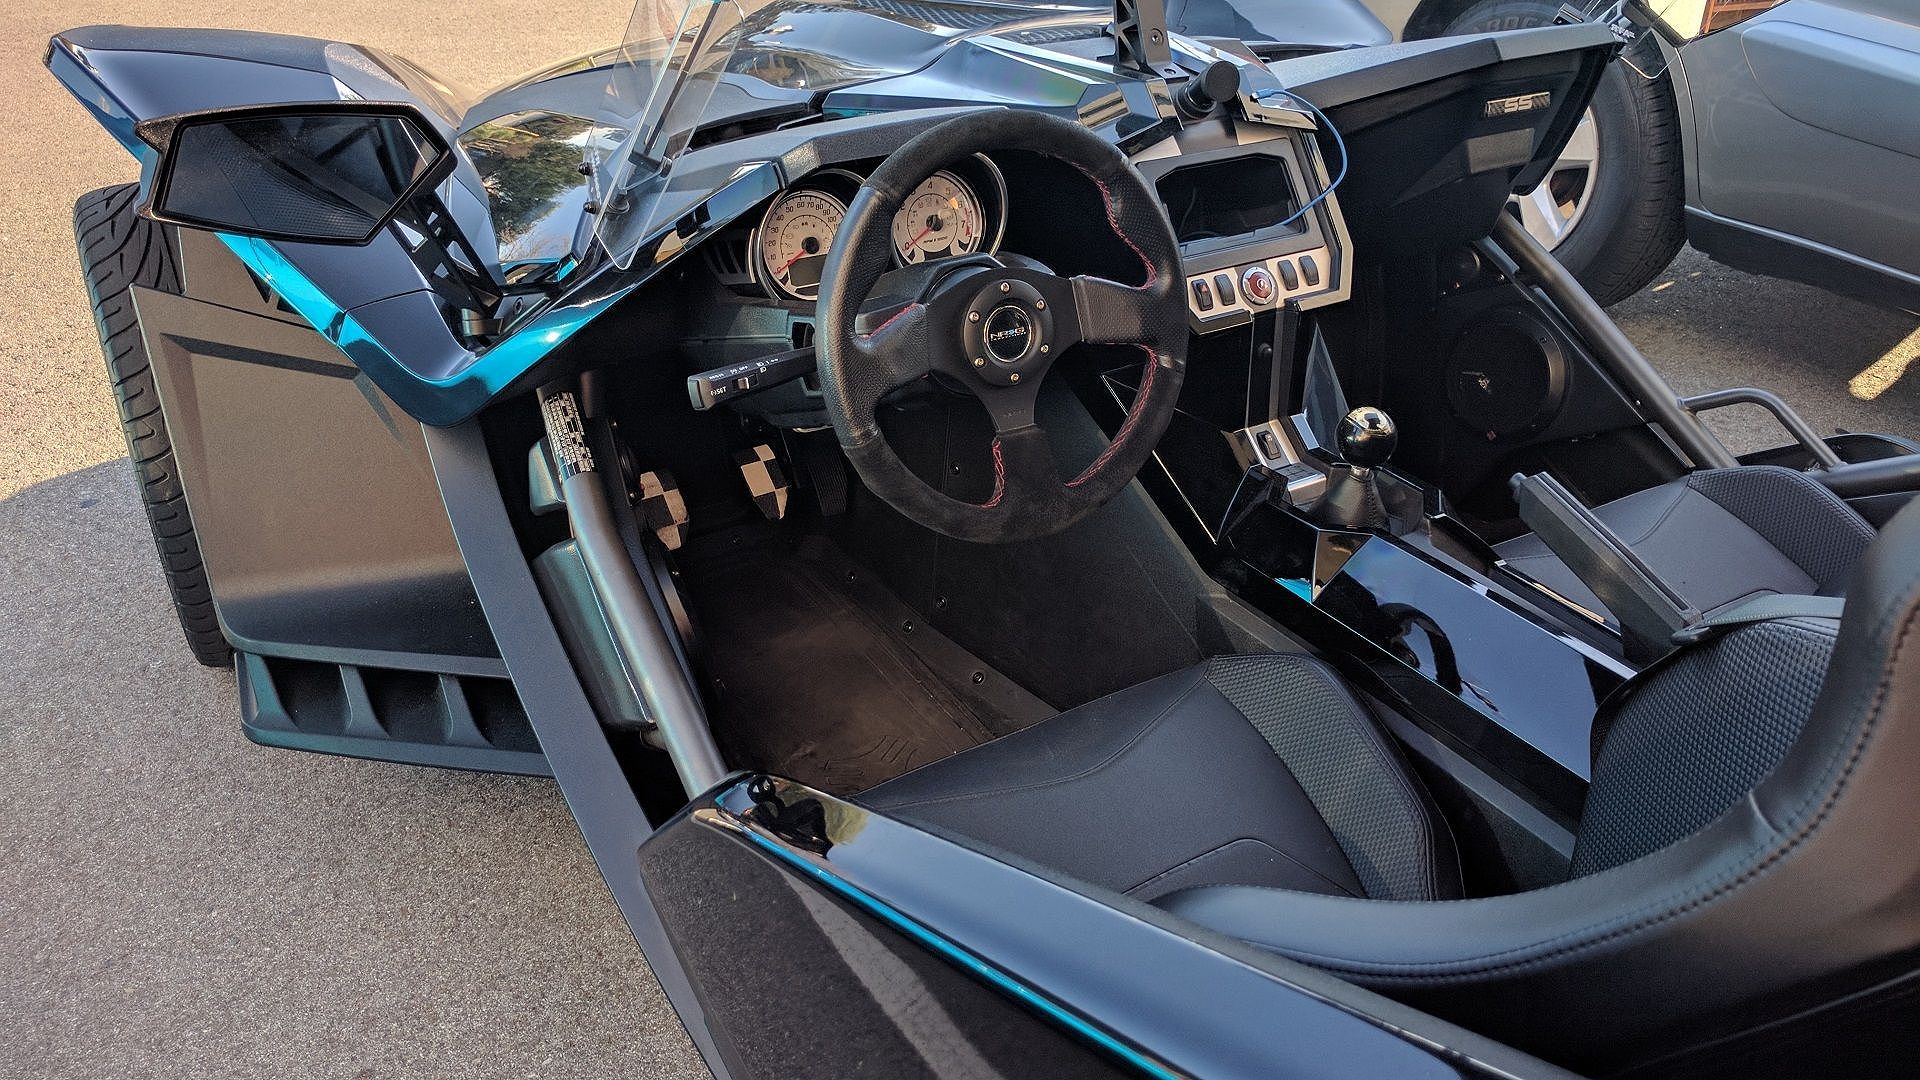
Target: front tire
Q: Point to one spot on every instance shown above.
(119, 249)
(1616, 224)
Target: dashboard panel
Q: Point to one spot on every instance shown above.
(1257, 226)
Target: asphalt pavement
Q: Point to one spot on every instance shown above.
(175, 901)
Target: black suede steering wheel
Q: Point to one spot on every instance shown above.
(995, 325)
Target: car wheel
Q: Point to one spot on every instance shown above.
(1612, 208)
(119, 249)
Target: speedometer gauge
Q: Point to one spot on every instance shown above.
(794, 238)
(942, 218)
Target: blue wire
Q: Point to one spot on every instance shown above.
(1337, 141)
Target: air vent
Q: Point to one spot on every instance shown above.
(419, 717)
(727, 256)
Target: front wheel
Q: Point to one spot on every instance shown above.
(1612, 208)
(119, 250)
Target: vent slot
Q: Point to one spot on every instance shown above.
(420, 717)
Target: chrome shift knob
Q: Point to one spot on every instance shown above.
(1367, 437)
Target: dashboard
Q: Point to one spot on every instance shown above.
(1258, 229)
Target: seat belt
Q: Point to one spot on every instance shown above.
(1763, 608)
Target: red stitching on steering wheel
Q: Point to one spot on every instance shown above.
(891, 319)
(1106, 196)
(1126, 426)
(1153, 359)
(999, 478)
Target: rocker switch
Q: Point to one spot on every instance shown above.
(1310, 269)
(1223, 287)
(1202, 295)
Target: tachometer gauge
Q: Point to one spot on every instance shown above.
(941, 219)
(794, 238)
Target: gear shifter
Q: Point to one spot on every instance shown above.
(1367, 437)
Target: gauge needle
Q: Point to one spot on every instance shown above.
(911, 244)
(788, 265)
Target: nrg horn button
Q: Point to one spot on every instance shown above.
(1256, 284)
(1009, 333)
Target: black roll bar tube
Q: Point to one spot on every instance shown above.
(639, 631)
(1623, 360)
(1801, 431)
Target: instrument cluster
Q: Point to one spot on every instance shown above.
(960, 210)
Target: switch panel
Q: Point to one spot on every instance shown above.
(1216, 297)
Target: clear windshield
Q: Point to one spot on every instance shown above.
(691, 70)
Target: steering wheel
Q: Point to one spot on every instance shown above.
(995, 326)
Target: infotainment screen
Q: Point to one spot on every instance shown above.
(1231, 197)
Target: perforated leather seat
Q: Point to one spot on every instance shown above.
(1746, 842)
(1720, 536)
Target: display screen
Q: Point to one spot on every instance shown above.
(1229, 198)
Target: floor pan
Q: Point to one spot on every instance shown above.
(818, 673)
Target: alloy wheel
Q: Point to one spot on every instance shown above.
(1553, 208)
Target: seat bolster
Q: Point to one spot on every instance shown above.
(1619, 954)
(1801, 517)
(1811, 878)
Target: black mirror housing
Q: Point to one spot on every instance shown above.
(327, 172)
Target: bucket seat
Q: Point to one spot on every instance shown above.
(1721, 536)
(1747, 840)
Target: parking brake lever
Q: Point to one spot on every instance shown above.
(1650, 613)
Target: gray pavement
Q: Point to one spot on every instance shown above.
(175, 901)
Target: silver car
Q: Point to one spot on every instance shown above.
(1778, 136)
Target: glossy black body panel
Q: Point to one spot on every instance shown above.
(1501, 683)
(797, 981)
(1113, 973)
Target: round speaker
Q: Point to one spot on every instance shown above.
(1506, 375)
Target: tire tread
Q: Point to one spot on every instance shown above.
(119, 250)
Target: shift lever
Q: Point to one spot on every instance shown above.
(1367, 438)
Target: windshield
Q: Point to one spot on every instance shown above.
(692, 71)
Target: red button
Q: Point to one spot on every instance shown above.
(1256, 284)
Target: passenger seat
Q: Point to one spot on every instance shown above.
(1721, 536)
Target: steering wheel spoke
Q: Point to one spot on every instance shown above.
(1024, 476)
(1011, 408)
(899, 348)
(1114, 314)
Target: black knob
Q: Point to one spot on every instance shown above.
(1219, 82)
(1367, 437)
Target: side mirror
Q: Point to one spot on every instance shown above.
(329, 173)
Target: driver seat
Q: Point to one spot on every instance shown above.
(1745, 852)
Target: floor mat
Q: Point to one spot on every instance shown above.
(818, 673)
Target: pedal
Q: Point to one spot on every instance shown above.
(766, 480)
(662, 508)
